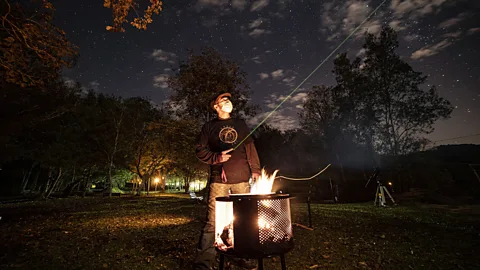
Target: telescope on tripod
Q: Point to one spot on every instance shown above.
(381, 190)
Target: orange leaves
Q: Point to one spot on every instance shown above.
(122, 8)
(48, 5)
(33, 50)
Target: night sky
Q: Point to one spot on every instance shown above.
(278, 43)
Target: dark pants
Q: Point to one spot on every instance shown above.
(205, 249)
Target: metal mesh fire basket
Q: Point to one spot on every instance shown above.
(254, 225)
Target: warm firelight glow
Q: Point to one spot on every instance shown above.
(264, 184)
(262, 224)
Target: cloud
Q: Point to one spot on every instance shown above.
(472, 31)
(161, 81)
(431, 50)
(450, 22)
(453, 34)
(69, 82)
(256, 59)
(255, 23)
(299, 97)
(94, 85)
(286, 117)
(361, 52)
(277, 74)
(341, 18)
(257, 32)
(281, 119)
(396, 25)
(258, 5)
(289, 81)
(209, 21)
(164, 56)
(212, 2)
(410, 37)
(239, 4)
(222, 4)
(263, 76)
(414, 9)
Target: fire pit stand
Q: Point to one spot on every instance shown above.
(259, 259)
(253, 226)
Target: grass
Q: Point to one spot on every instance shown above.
(161, 232)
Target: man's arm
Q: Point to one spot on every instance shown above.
(201, 148)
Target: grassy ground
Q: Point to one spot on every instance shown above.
(161, 232)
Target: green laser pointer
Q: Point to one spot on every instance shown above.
(321, 64)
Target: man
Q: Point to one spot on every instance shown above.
(230, 170)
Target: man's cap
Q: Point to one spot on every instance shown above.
(218, 98)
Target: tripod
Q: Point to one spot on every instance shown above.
(380, 195)
(381, 190)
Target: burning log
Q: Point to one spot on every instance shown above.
(227, 235)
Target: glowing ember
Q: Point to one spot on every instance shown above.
(264, 184)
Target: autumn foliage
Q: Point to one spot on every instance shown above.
(122, 8)
(32, 49)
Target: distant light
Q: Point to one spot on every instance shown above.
(94, 186)
(156, 180)
(389, 183)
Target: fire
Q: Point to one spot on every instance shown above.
(263, 224)
(264, 184)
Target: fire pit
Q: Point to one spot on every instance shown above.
(254, 226)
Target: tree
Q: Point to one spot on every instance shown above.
(378, 102)
(122, 8)
(404, 111)
(149, 148)
(200, 78)
(183, 161)
(32, 50)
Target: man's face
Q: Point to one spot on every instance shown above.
(224, 105)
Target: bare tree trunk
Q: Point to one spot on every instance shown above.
(88, 182)
(67, 191)
(341, 168)
(115, 145)
(33, 188)
(26, 178)
(109, 180)
(54, 184)
(46, 187)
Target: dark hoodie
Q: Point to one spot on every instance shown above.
(219, 135)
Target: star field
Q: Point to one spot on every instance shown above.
(278, 43)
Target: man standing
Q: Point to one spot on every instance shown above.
(230, 170)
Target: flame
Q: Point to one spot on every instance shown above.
(263, 224)
(264, 184)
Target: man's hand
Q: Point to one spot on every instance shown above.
(255, 176)
(224, 156)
